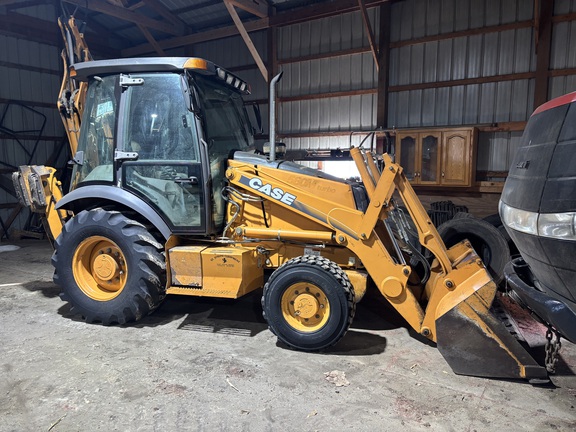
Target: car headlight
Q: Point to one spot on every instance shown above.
(519, 220)
(557, 225)
(553, 225)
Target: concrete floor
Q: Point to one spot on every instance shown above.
(208, 365)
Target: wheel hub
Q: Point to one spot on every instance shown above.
(99, 268)
(105, 267)
(306, 305)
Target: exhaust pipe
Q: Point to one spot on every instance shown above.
(272, 105)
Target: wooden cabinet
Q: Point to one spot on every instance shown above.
(437, 157)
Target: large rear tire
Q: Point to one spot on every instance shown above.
(308, 303)
(110, 268)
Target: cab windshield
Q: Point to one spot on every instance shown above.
(226, 123)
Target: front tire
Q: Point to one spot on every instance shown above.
(109, 267)
(308, 303)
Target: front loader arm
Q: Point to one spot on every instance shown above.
(452, 309)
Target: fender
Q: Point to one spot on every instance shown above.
(120, 196)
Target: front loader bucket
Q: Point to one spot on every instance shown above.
(474, 342)
(468, 334)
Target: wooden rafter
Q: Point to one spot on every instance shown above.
(308, 13)
(151, 40)
(368, 26)
(543, 50)
(247, 40)
(126, 15)
(44, 32)
(255, 7)
(165, 13)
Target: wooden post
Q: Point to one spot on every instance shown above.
(543, 23)
(384, 62)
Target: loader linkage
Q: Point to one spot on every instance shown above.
(451, 309)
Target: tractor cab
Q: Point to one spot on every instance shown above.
(162, 129)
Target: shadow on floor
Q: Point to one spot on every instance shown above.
(47, 289)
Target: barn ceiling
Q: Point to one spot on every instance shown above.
(140, 27)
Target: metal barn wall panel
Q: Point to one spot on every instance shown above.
(339, 73)
(469, 57)
(232, 51)
(326, 35)
(496, 150)
(20, 82)
(348, 113)
(418, 18)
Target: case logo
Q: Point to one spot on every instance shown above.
(275, 193)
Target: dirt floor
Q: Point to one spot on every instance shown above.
(207, 365)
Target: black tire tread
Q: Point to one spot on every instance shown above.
(147, 296)
(327, 265)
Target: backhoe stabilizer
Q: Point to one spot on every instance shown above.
(469, 336)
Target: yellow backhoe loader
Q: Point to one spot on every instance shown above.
(168, 198)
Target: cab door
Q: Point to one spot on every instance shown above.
(159, 154)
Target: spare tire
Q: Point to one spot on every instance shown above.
(486, 240)
(496, 221)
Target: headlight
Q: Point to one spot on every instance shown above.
(519, 220)
(553, 225)
(557, 225)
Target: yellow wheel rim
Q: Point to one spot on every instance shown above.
(99, 268)
(305, 307)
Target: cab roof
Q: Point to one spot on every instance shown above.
(85, 70)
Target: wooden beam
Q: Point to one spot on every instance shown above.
(518, 126)
(330, 54)
(30, 103)
(126, 15)
(467, 81)
(328, 95)
(195, 38)
(247, 39)
(167, 14)
(255, 7)
(136, 5)
(320, 10)
(384, 62)
(11, 219)
(45, 32)
(463, 33)
(544, 47)
(368, 26)
(30, 68)
(21, 137)
(20, 4)
(151, 40)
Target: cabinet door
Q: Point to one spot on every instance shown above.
(456, 158)
(429, 158)
(407, 152)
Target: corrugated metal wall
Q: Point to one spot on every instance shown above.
(31, 72)
(341, 73)
(476, 56)
(462, 58)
